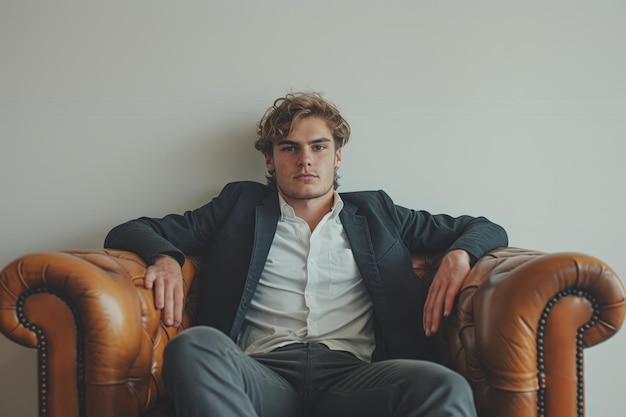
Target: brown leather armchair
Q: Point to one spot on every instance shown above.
(522, 321)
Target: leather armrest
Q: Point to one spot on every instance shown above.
(522, 322)
(99, 337)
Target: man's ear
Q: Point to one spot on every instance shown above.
(269, 162)
(338, 158)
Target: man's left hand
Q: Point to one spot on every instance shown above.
(454, 267)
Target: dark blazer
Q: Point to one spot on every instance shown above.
(233, 233)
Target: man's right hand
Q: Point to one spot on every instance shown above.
(165, 276)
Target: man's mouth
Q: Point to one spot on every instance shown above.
(306, 177)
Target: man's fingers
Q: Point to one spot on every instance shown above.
(173, 307)
(159, 293)
(168, 309)
(165, 278)
(178, 305)
(433, 308)
(453, 290)
(443, 290)
(148, 280)
(436, 313)
(427, 319)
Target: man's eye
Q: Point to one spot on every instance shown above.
(319, 147)
(289, 149)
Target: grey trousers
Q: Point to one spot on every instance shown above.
(208, 375)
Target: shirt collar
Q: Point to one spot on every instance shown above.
(288, 213)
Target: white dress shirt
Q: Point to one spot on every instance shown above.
(310, 290)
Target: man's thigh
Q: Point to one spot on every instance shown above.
(206, 373)
(394, 388)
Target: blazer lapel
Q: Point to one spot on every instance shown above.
(267, 216)
(360, 241)
(266, 221)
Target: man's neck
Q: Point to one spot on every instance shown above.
(312, 211)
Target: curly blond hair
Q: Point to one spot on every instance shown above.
(278, 120)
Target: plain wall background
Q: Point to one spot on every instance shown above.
(512, 110)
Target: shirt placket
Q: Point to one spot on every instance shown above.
(312, 287)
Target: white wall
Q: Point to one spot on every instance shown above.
(513, 110)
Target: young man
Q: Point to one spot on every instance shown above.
(308, 302)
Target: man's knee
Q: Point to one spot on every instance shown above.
(432, 387)
(452, 383)
(457, 384)
(452, 393)
(195, 344)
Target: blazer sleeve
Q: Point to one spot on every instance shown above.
(429, 233)
(177, 235)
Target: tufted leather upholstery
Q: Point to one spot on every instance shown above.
(522, 321)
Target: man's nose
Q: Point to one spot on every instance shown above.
(305, 158)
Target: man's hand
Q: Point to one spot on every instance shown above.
(166, 277)
(453, 269)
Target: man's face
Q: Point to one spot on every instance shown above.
(305, 161)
